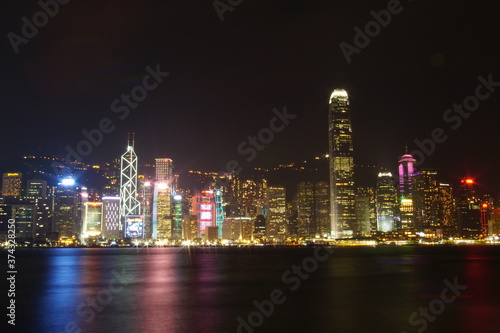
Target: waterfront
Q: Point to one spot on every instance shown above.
(368, 289)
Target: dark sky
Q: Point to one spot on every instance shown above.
(226, 78)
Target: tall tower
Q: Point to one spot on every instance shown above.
(469, 214)
(386, 202)
(406, 170)
(343, 219)
(129, 204)
(276, 213)
(426, 202)
(164, 171)
(162, 201)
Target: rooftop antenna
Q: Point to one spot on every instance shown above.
(406, 147)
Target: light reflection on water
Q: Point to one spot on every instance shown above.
(206, 290)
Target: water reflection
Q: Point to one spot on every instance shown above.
(60, 291)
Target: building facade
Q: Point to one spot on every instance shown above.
(343, 219)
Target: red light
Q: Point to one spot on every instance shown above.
(485, 205)
(469, 181)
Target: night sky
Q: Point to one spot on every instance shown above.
(226, 78)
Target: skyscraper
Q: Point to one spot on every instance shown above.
(164, 171)
(343, 219)
(322, 208)
(386, 201)
(306, 226)
(92, 219)
(468, 205)
(446, 211)
(129, 204)
(426, 203)
(162, 212)
(406, 171)
(177, 218)
(111, 217)
(276, 213)
(365, 210)
(68, 208)
(203, 207)
(36, 188)
(313, 208)
(162, 202)
(11, 184)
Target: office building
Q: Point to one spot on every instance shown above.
(365, 210)
(406, 170)
(426, 203)
(343, 219)
(92, 219)
(386, 202)
(11, 184)
(468, 209)
(111, 227)
(36, 188)
(276, 221)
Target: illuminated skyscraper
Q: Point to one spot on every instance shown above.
(468, 205)
(177, 218)
(162, 201)
(92, 219)
(276, 213)
(343, 219)
(146, 197)
(129, 205)
(426, 203)
(164, 171)
(162, 212)
(219, 211)
(65, 209)
(386, 202)
(36, 188)
(203, 206)
(447, 211)
(322, 208)
(69, 200)
(11, 184)
(111, 218)
(313, 208)
(306, 222)
(365, 210)
(245, 197)
(406, 171)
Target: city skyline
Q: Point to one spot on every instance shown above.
(197, 116)
(248, 166)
